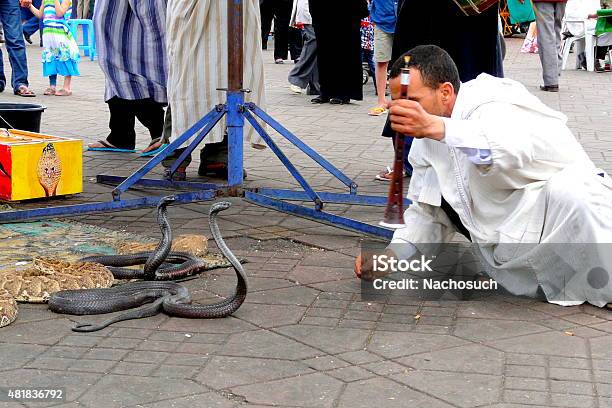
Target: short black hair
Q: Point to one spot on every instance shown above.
(434, 64)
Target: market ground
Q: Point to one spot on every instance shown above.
(304, 337)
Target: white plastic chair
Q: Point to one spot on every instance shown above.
(585, 42)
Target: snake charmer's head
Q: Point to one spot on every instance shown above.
(434, 79)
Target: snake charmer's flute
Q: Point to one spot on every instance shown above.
(394, 213)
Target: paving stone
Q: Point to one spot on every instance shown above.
(271, 315)
(153, 357)
(525, 371)
(332, 341)
(105, 354)
(605, 390)
(359, 357)
(526, 384)
(75, 384)
(552, 343)
(324, 312)
(487, 329)
(324, 363)
(527, 359)
(113, 390)
(265, 344)
(15, 355)
(526, 398)
(470, 358)
(129, 368)
(92, 366)
(467, 390)
(386, 368)
(571, 387)
(574, 401)
(601, 347)
(208, 400)
(30, 333)
(51, 363)
(112, 342)
(392, 345)
(381, 392)
(350, 374)
(175, 371)
(569, 374)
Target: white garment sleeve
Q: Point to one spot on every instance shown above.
(466, 137)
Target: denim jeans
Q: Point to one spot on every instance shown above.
(10, 15)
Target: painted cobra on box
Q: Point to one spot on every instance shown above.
(49, 170)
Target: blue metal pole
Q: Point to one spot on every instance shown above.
(138, 174)
(159, 183)
(70, 210)
(205, 131)
(286, 162)
(318, 216)
(235, 135)
(303, 147)
(336, 198)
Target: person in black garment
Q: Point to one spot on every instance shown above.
(337, 28)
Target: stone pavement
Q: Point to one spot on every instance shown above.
(304, 338)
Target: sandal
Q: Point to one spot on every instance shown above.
(107, 147)
(153, 148)
(23, 90)
(49, 91)
(63, 92)
(387, 175)
(377, 111)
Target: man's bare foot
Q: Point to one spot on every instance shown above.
(154, 145)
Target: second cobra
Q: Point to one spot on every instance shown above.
(169, 297)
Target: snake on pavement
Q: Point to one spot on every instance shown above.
(169, 297)
(156, 262)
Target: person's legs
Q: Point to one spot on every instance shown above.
(548, 50)
(67, 84)
(282, 15)
(267, 14)
(296, 43)
(383, 43)
(559, 14)
(121, 123)
(15, 45)
(302, 73)
(151, 114)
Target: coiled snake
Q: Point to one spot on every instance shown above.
(169, 297)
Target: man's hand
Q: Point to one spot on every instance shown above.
(25, 3)
(364, 265)
(409, 118)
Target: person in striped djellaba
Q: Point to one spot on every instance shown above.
(130, 43)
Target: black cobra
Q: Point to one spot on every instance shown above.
(169, 297)
(161, 264)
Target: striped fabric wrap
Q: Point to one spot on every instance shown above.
(197, 47)
(130, 38)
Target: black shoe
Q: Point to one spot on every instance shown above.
(320, 99)
(549, 88)
(27, 38)
(340, 101)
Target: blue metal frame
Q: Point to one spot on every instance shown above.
(237, 112)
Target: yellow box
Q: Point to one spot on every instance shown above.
(33, 165)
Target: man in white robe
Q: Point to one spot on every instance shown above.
(196, 42)
(514, 178)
